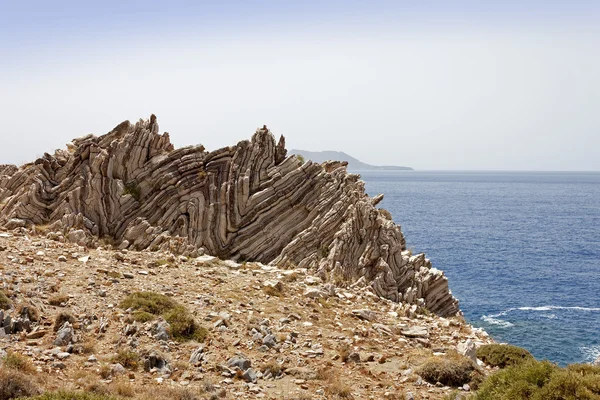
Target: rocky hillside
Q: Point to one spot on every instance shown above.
(247, 202)
(156, 325)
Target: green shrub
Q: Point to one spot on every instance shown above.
(128, 359)
(150, 302)
(450, 370)
(300, 158)
(502, 355)
(5, 302)
(542, 380)
(133, 189)
(143, 316)
(14, 384)
(183, 325)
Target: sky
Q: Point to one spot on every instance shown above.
(435, 85)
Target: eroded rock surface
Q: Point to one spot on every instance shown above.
(243, 202)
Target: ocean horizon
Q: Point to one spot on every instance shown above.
(521, 250)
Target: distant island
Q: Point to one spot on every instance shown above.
(353, 163)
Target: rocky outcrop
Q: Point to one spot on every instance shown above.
(243, 202)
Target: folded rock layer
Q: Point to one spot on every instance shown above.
(243, 202)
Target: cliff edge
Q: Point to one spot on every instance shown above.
(244, 202)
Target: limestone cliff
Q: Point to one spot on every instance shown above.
(244, 202)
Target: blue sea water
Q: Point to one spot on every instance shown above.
(521, 250)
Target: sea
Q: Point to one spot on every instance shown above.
(521, 250)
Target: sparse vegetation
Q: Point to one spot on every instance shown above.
(58, 300)
(5, 302)
(452, 369)
(385, 213)
(132, 188)
(15, 384)
(344, 351)
(143, 316)
(272, 291)
(128, 359)
(300, 158)
(61, 319)
(502, 355)
(324, 251)
(150, 302)
(337, 389)
(17, 362)
(542, 380)
(32, 313)
(183, 325)
(272, 366)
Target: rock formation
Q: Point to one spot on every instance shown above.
(243, 202)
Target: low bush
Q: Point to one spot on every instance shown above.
(17, 362)
(147, 304)
(15, 384)
(502, 355)
(30, 311)
(542, 380)
(128, 359)
(5, 302)
(452, 369)
(58, 300)
(143, 316)
(61, 318)
(150, 302)
(184, 326)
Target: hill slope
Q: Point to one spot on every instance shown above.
(353, 163)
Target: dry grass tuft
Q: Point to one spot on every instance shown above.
(344, 352)
(271, 366)
(32, 313)
(58, 300)
(61, 318)
(17, 362)
(5, 302)
(15, 384)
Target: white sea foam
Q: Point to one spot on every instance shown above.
(590, 353)
(496, 321)
(548, 308)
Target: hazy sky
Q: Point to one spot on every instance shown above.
(511, 85)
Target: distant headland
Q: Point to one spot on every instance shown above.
(353, 163)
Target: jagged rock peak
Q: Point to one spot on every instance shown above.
(243, 202)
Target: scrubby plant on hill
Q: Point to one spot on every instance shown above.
(542, 380)
(502, 355)
(452, 369)
(183, 325)
(14, 384)
(17, 362)
(5, 302)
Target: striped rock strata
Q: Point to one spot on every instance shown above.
(243, 202)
